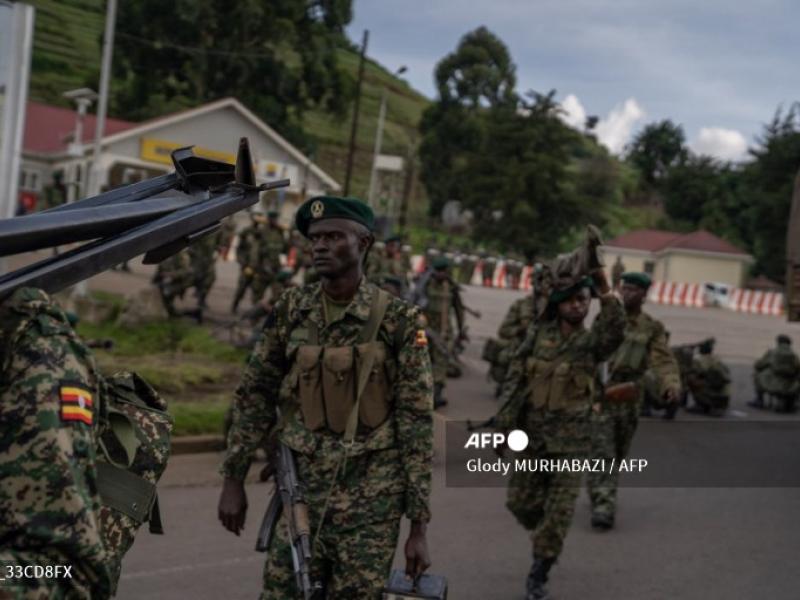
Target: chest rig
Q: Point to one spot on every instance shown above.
(343, 387)
(559, 377)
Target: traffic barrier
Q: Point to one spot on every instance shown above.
(676, 294)
(756, 302)
(526, 279)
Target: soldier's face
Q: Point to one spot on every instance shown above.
(440, 274)
(574, 309)
(336, 247)
(392, 248)
(632, 295)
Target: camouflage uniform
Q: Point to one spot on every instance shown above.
(645, 347)
(549, 394)
(709, 382)
(248, 253)
(173, 277)
(443, 302)
(203, 257)
(514, 327)
(777, 373)
(48, 501)
(388, 470)
(273, 243)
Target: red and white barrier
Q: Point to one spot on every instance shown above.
(756, 302)
(418, 263)
(677, 294)
(499, 275)
(526, 279)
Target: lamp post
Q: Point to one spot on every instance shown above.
(373, 177)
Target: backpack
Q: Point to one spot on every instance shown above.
(133, 449)
(783, 361)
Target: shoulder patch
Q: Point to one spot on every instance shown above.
(420, 339)
(76, 402)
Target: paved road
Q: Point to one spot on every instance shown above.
(703, 543)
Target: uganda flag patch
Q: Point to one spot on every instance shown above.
(76, 403)
(422, 339)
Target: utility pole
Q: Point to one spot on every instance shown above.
(352, 150)
(102, 104)
(373, 177)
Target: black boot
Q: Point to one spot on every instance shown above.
(535, 586)
(438, 398)
(669, 412)
(602, 521)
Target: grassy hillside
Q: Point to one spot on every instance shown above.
(66, 55)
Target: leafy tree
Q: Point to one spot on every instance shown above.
(768, 185)
(657, 148)
(278, 57)
(478, 73)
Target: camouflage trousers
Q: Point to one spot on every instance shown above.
(349, 564)
(439, 360)
(544, 503)
(612, 434)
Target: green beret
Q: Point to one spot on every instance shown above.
(284, 275)
(333, 207)
(642, 280)
(392, 238)
(273, 214)
(440, 262)
(557, 296)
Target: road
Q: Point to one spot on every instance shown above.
(677, 542)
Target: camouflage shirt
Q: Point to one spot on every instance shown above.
(48, 402)
(549, 388)
(519, 317)
(645, 347)
(388, 470)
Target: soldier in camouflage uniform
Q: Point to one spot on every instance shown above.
(48, 500)
(777, 374)
(203, 259)
(391, 263)
(248, 255)
(173, 277)
(304, 363)
(709, 382)
(442, 303)
(273, 244)
(510, 335)
(614, 424)
(549, 394)
(616, 272)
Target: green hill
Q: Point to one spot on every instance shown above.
(66, 55)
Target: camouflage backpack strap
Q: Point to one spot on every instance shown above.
(369, 333)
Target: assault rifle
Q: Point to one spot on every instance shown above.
(288, 498)
(157, 217)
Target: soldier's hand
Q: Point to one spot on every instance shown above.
(248, 271)
(416, 550)
(671, 395)
(232, 507)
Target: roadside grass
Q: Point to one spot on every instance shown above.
(198, 418)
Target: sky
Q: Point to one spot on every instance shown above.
(718, 68)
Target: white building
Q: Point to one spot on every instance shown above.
(134, 151)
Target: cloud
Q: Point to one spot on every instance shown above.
(725, 144)
(614, 131)
(574, 114)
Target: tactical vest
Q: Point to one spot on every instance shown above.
(558, 384)
(328, 377)
(783, 361)
(629, 359)
(133, 446)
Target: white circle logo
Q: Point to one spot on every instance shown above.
(517, 440)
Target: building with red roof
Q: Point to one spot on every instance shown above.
(696, 257)
(134, 151)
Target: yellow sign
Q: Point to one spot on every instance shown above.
(159, 151)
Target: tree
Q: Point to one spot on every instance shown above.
(478, 73)
(277, 57)
(657, 148)
(768, 185)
